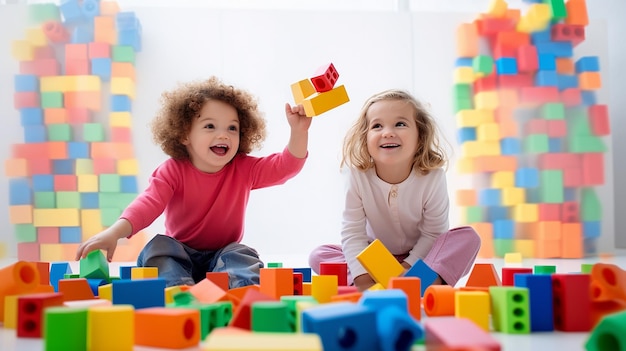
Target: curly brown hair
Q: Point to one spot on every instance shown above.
(180, 106)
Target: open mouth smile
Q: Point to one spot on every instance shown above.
(220, 149)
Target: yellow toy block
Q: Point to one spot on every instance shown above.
(302, 90)
(36, 36)
(87, 183)
(488, 132)
(473, 305)
(319, 103)
(300, 307)
(526, 213)
(474, 118)
(10, 311)
(21, 214)
(525, 247)
(513, 196)
(103, 322)
(170, 291)
(464, 75)
(106, 292)
(84, 166)
(224, 339)
(465, 165)
(475, 148)
(16, 167)
(56, 217)
(22, 50)
(87, 83)
(90, 223)
(379, 263)
(497, 8)
(536, 19)
(120, 119)
(486, 100)
(503, 179)
(144, 273)
(51, 252)
(128, 167)
(512, 258)
(84, 83)
(323, 287)
(123, 86)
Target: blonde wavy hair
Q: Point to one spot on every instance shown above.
(180, 106)
(429, 154)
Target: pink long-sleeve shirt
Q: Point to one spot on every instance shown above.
(206, 211)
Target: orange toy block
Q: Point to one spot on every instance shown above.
(439, 300)
(16, 167)
(379, 262)
(576, 12)
(21, 214)
(123, 69)
(83, 99)
(104, 30)
(19, 278)
(207, 292)
(31, 312)
(243, 313)
(117, 151)
(170, 328)
(319, 103)
(276, 282)
(589, 80)
(457, 334)
(608, 282)
(467, 40)
(495, 163)
(302, 90)
(412, 288)
(572, 240)
(109, 8)
(483, 275)
(44, 272)
(75, 289)
(466, 197)
(485, 232)
(219, 278)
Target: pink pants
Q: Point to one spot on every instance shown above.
(452, 255)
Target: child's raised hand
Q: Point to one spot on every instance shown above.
(297, 118)
(103, 241)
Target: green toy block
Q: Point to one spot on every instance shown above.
(503, 246)
(483, 64)
(183, 298)
(585, 143)
(608, 334)
(553, 110)
(292, 302)
(93, 132)
(212, 315)
(510, 309)
(122, 53)
(109, 183)
(94, 266)
(274, 265)
(462, 104)
(578, 122)
(25, 233)
(45, 199)
(557, 8)
(586, 268)
(271, 316)
(65, 328)
(115, 200)
(220, 314)
(462, 91)
(551, 189)
(474, 214)
(108, 216)
(68, 199)
(71, 275)
(51, 99)
(536, 144)
(59, 132)
(539, 269)
(590, 205)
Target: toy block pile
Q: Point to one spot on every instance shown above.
(530, 130)
(318, 94)
(75, 170)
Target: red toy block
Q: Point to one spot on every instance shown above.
(78, 115)
(31, 312)
(65, 182)
(570, 212)
(593, 168)
(75, 289)
(536, 126)
(242, 315)
(536, 95)
(486, 83)
(570, 293)
(41, 67)
(104, 166)
(508, 274)
(599, 119)
(549, 212)
(457, 334)
(22, 99)
(276, 282)
(483, 275)
(527, 59)
(77, 67)
(44, 272)
(44, 52)
(48, 235)
(298, 279)
(340, 269)
(98, 50)
(55, 32)
(557, 128)
(121, 135)
(76, 52)
(572, 177)
(560, 160)
(219, 278)
(575, 34)
(516, 81)
(324, 78)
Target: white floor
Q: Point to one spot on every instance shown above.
(529, 342)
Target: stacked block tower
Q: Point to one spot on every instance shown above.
(531, 130)
(75, 170)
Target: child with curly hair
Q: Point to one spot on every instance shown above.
(397, 193)
(208, 128)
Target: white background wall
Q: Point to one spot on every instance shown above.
(266, 46)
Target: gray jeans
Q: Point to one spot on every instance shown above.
(179, 264)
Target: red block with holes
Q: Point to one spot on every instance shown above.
(593, 168)
(55, 32)
(339, 269)
(219, 278)
(30, 312)
(568, 32)
(571, 97)
(509, 272)
(298, 279)
(599, 119)
(571, 302)
(569, 212)
(324, 78)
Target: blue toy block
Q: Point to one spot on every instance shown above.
(426, 274)
(306, 273)
(565, 81)
(63, 166)
(126, 272)
(587, 64)
(556, 48)
(20, 192)
(90, 9)
(592, 229)
(527, 178)
(89, 200)
(120, 103)
(128, 184)
(43, 182)
(35, 134)
(82, 34)
(494, 213)
(510, 146)
(506, 65)
(546, 79)
(555, 145)
(58, 270)
(464, 62)
(540, 299)
(379, 299)
(31, 116)
(70, 9)
(101, 67)
(26, 82)
(78, 149)
(342, 326)
(141, 293)
(588, 97)
(69, 235)
(466, 134)
(547, 62)
(397, 330)
(490, 197)
(128, 30)
(544, 36)
(504, 229)
(95, 283)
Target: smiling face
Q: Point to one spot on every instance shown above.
(214, 136)
(392, 138)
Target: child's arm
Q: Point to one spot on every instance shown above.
(105, 240)
(364, 282)
(299, 123)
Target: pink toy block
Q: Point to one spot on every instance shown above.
(517, 81)
(549, 212)
(485, 83)
(324, 78)
(574, 34)
(55, 32)
(593, 169)
(76, 52)
(22, 99)
(571, 97)
(99, 50)
(41, 67)
(457, 334)
(536, 95)
(556, 128)
(599, 119)
(44, 52)
(527, 59)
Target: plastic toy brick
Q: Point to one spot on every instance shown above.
(439, 300)
(104, 321)
(456, 334)
(271, 316)
(10, 312)
(426, 274)
(572, 240)
(140, 294)
(65, 328)
(233, 339)
(572, 302)
(540, 298)
(377, 300)
(75, 289)
(410, 286)
(144, 273)
(467, 40)
(397, 330)
(340, 269)
(509, 272)
(297, 284)
(608, 282)
(483, 275)
(473, 305)
(292, 308)
(206, 291)
(380, 263)
(212, 316)
(510, 309)
(323, 287)
(325, 320)
(18, 278)
(324, 78)
(242, 317)
(219, 278)
(608, 333)
(319, 103)
(94, 266)
(31, 312)
(172, 328)
(276, 282)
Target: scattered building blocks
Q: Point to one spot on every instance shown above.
(508, 274)
(94, 266)
(396, 329)
(171, 328)
(276, 282)
(340, 269)
(242, 317)
(319, 103)
(271, 316)
(75, 289)
(457, 334)
(219, 278)
(142, 293)
(412, 289)
(540, 300)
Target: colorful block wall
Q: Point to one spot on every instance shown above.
(531, 130)
(75, 170)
